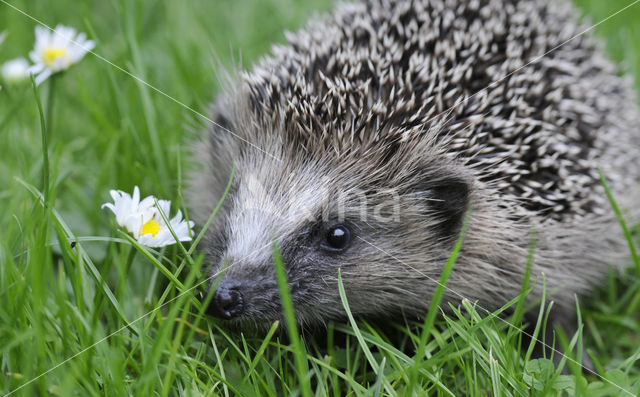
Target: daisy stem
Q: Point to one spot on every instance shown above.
(45, 146)
(50, 101)
(132, 254)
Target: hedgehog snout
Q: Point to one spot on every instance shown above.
(244, 291)
(227, 301)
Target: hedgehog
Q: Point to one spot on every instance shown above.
(368, 141)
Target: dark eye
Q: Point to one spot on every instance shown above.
(338, 238)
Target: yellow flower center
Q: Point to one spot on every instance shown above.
(151, 227)
(51, 54)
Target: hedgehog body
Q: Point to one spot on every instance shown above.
(360, 144)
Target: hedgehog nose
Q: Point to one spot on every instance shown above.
(227, 302)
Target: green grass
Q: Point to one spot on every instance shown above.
(70, 283)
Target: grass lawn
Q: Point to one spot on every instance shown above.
(70, 282)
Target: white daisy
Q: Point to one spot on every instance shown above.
(130, 212)
(143, 219)
(15, 70)
(156, 233)
(55, 51)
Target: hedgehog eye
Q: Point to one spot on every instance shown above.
(338, 238)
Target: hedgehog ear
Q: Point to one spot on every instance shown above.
(447, 196)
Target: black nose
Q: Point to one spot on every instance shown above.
(227, 301)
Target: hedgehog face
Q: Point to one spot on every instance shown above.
(330, 215)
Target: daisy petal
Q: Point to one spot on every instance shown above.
(144, 219)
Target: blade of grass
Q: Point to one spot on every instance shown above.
(174, 280)
(261, 349)
(434, 305)
(623, 223)
(45, 147)
(356, 330)
(377, 386)
(302, 367)
(516, 320)
(495, 375)
(83, 255)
